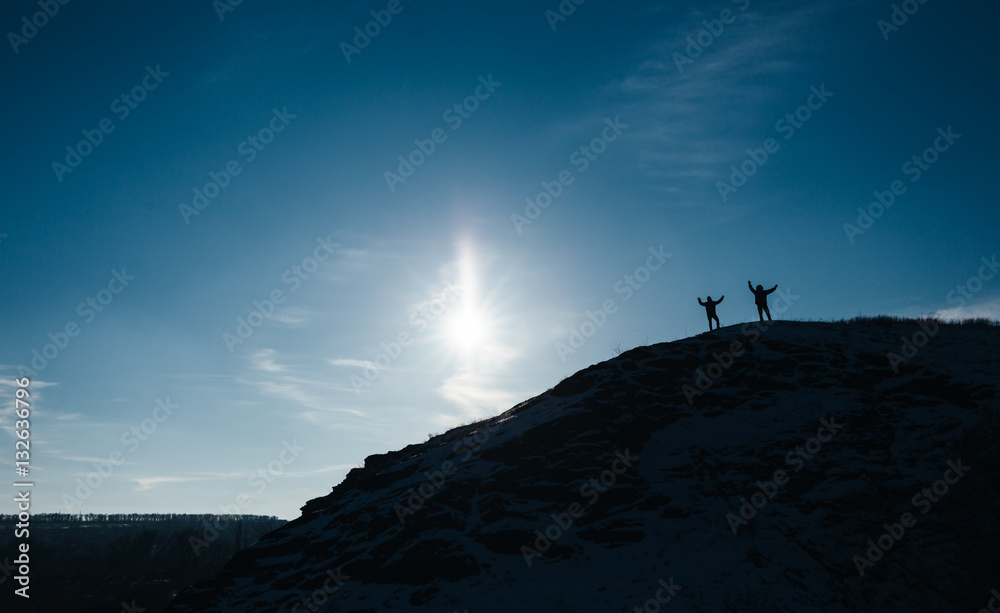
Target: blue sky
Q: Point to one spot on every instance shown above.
(408, 305)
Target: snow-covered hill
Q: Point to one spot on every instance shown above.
(657, 481)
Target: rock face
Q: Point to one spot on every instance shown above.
(802, 472)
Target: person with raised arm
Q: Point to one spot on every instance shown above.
(760, 299)
(709, 305)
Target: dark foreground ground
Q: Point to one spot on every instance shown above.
(126, 563)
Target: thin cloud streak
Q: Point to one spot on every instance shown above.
(989, 309)
(353, 363)
(693, 120)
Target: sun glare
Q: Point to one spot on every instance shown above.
(468, 323)
(468, 330)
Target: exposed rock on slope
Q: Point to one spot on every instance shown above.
(612, 491)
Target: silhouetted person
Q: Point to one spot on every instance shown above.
(709, 305)
(760, 299)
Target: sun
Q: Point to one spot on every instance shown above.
(468, 323)
(468, 329)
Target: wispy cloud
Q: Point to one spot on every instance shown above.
(284, 378)
(353, 363)
(296, 390)
(478, 391)
(8, 398)
(147, 483)
(696, 121)
(87, 459)
(989, 309)
(318, 471)
(290, 317)
(264, 360)
(8, 382)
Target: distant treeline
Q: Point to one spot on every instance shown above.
(117, 518)
(105, 562)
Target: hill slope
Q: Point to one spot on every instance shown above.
(628, 486)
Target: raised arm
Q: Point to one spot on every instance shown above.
(719, 301)
(700, 302)
(750, 285)
(772, 289)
